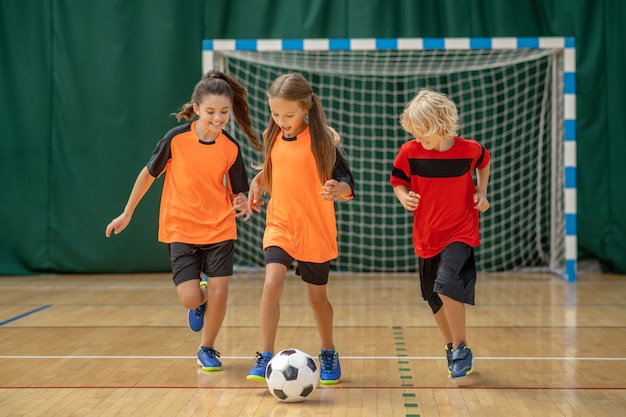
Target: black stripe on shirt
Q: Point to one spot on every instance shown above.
(440, 168)
(482, 156)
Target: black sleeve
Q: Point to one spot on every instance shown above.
(341, 170)
(162, 153)
(237, 176)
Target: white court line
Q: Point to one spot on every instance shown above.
(481, 358)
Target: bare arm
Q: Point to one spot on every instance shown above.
(482, 179)
(408, 199)
(254, 194)
(142, 185)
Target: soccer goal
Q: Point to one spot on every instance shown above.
(516, 96)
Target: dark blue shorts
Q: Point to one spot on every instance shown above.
(189, 261)
(451, 273)
(311, 272)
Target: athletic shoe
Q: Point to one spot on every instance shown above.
(330, 370)
(449, 357)
(196, 316)
(257, 373)
(462, 359)
(207, 359)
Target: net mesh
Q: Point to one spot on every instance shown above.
(509, 100)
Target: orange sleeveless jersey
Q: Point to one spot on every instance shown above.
(195, 203)
(298, 219)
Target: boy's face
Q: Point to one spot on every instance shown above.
(433, 142)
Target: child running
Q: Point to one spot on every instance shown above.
(304, 173)
(432, 177)
(203, 193)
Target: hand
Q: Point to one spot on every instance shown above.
(481, 203)
(117, 224)
(411, 201)
(332, 191)
(240, 204)
(254, 202)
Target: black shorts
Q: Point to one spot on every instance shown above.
(451, 273)
(311, 272)
(189, 261)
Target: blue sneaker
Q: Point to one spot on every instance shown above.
(257, 373)
(207, 359)
(196, 316)
(462, 359)
(330, 370)
(449, 357)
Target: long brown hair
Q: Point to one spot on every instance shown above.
(219, 84)
(294, 87)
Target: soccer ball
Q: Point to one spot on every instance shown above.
(292, 375)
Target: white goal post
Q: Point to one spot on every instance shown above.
(516, 96)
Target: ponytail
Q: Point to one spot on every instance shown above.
(219, 83)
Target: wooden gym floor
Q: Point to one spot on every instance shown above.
(119, 345)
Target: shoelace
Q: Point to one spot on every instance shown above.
(328, 360)
(261, 360)
(200, 310)
(212, 353)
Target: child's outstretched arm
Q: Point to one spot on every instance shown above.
(142, 185)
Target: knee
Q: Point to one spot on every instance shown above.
(189, 294)
(218, 289)
(317, 298)
(272, 290)
(190, 301)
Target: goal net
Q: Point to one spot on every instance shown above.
(509, 100)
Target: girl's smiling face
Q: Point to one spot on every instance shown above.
(213, 114)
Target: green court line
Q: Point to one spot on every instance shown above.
(400, 352)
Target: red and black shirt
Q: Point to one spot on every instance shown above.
(445, 183)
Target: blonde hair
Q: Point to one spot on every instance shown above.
(294, 87)
(431, 113)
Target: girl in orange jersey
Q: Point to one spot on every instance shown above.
(304, 173)
(198, 207)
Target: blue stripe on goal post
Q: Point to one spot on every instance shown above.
(565, 44)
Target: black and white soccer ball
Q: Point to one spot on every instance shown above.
(292, 375)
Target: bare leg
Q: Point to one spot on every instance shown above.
(275, 274)
(190, 294)
(323, 311)
(217, 301)
(442, 323)
(455, 315)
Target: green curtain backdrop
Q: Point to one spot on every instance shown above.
(87, 88)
